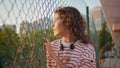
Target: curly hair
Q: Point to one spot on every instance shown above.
(75, 22)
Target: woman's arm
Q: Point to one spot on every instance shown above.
(52, 54)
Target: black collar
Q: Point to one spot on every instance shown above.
(71, 45)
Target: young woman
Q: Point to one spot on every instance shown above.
(73, 49)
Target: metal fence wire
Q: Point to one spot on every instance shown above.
(23, 26)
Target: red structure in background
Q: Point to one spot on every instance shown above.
(111, 9)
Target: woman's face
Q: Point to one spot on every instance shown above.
(58, 26)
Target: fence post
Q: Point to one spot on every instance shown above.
(87, 18)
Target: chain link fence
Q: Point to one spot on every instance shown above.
(25, 23)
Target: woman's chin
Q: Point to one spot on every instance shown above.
(56, 34)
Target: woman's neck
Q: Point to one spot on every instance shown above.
(69, 38)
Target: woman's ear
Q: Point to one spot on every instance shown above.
(67, 24)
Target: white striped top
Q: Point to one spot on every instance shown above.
(82, 56)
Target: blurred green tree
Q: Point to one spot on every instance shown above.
(8, 44)
(104, 41)
(35, 37)
(31, 45)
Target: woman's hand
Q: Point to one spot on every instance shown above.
(48, 47)
(47, 44)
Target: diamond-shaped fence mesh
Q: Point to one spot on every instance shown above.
(23, 26)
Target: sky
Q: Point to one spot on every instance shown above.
(16, 11)
(81, 4)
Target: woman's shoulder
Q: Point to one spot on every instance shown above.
(85, 47)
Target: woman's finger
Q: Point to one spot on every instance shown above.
(44, 47)
(47, 45)
(47, 40)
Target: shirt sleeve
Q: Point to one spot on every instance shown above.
(87, 57)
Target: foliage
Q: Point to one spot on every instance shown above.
(104, 40)
(8, 44)
(37, 39)
(31, 47)
(25, 46)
